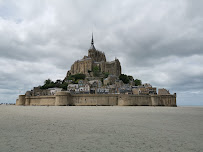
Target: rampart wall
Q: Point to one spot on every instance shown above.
(67, 99)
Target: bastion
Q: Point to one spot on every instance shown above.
(66, 99)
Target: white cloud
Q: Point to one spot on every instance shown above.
(159, 42)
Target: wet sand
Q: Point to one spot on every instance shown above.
(105, 129)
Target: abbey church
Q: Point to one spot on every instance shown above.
(95, 58)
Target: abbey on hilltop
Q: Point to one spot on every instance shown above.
(93, 81)
(96, 60)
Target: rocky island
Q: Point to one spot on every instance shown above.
(93, 81)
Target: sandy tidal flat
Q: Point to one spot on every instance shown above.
(81, 129)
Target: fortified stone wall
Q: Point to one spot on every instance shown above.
(65, 98)
(95, 100)
(134, 100)
(40, 101)
(21, 100)
(163, 100)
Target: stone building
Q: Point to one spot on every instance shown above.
(145, 89)
(111, 79)
(95, 58)
(38, 92)
(163, 91)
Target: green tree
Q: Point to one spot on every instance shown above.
(130, 78)
(96, 71)
(124, 78)
(70, 77)
(64, 86)
(79, 76)
(48, 81)
(106, 74)
(76, 77)
(48, 84)
(137, 82)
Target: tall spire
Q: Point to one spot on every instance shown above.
(92, 43)
(92, 39)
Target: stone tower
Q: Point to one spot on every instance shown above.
(95, 58)
(95, 55)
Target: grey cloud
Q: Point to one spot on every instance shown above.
(159, 41)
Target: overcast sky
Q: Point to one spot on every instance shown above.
(157, 41)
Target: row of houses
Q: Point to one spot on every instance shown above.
(96, 87)
(144, 89)
(43, 92)
(87, 87)
(113, 86)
